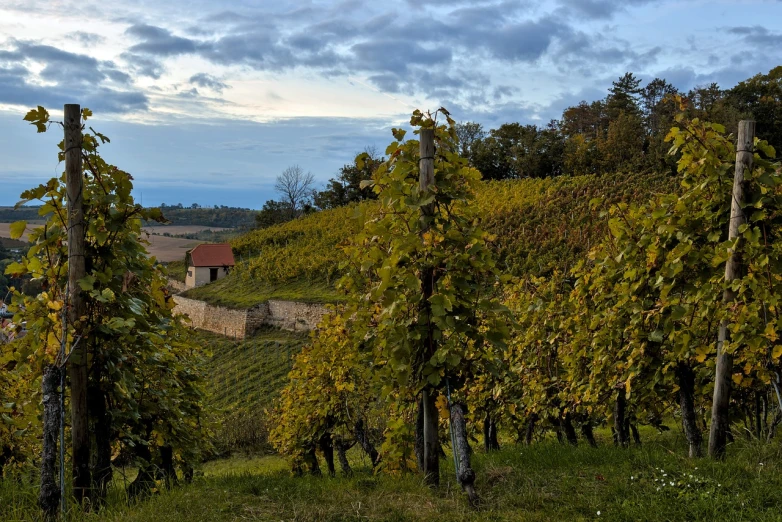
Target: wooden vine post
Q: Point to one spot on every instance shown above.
(74, 187)
(431, 456)
(720, 421)
(49, 495)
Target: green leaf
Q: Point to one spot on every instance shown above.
(17, 229)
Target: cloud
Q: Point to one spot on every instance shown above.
(526, 41)
(757, 36)
(208, 81)
(157, 41)
(397, 56)
(65, 77)
(598, 9)
(86, 38)
(144, 65)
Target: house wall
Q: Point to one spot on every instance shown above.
(199, 275)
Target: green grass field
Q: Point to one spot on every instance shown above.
(545, 481)
(235, 292)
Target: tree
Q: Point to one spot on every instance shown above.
(624, 96)
(761, 97)
(346, 187)
(295, 187)
(519, 151)
(623, 144)
(469, 133)
(273, 213)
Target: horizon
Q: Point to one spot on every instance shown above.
(207, 105)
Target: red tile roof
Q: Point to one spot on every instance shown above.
(217, 254)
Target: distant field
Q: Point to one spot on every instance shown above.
(5, 231)
(176, 230)
(170, 248)
(163, 248)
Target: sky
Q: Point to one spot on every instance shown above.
(207, 101)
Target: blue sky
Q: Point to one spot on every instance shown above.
(209, 101)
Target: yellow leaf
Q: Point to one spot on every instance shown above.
(442, 405)
(776, 352)
(17, 229)
(770, 332)
(737, 378)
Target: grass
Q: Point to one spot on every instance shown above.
(234, 291)
(545, 481)
(177, 270)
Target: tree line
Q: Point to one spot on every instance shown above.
(624, 131)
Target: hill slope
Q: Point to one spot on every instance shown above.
(243, 378)
(540, 224)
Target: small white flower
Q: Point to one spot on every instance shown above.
(665, 474)
(719, 485)
(598, 513)
(671, 483)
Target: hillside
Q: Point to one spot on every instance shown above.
(243, 378)
(540, 225)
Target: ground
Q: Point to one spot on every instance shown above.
(545, 481)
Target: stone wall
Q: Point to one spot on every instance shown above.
(293, 315)
(287, 315)
(176, 286)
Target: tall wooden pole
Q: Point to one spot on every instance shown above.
(720, 421)
(431, 457)
(76, 271)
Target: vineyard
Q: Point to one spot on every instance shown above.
(243, 379)
(538, 346)
(301, 260)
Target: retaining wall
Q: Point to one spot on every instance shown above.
(288, 315)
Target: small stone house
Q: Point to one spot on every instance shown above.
(207, 263)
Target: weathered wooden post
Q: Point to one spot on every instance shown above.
(80, 435)
(720, 421)
(431, 455)
(461, 450)
(49, 496)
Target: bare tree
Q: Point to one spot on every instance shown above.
(295, 187)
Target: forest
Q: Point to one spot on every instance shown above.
(515, 314)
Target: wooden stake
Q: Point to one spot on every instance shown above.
(74, 183)
(431, 449)
(720, 421)
(49, 495)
